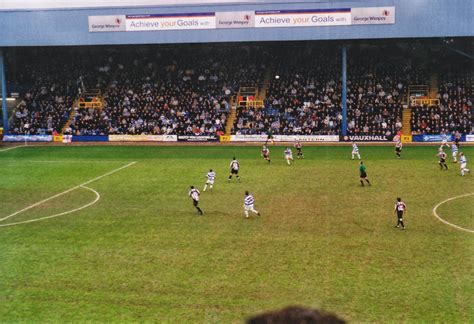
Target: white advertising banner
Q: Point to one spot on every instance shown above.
(307, 138)
(235, 19)
(185, 21)
(106, 23)
(285, 138)
(248, 138)
(244, 19)
(469, 138)
(303, 18)
(373, 16)
(143, 138)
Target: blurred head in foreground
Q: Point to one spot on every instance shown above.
(296, 315)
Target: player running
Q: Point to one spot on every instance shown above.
(400, 209)
(194, 194)
(463, 161)
(248, 205)
(234, 169)
(442, 159)
(398, 148)
(454, 151)
(211, 177)
(299, 149)
(363, 174)
(288, 155)
(266, 153)
(355, 150)
(444, 140)
(269, 137)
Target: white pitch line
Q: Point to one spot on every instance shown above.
(11, 148)
(446, 222)
(66, 191)
(59, 161)
(97, 197)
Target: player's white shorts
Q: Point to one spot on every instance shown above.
(463, 165)
(355, 152)
(248, 207)
(211, 182)
(289, 157)
(444, 142)
(455, 154)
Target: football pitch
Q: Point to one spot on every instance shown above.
(104, 233)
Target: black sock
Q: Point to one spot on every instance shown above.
(446, 166)
(199, 210)
(401, 222)
(362, 183)
(230, 177)
(367, 181)
(269, 160)
(398, 154)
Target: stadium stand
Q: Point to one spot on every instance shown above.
(190, 90)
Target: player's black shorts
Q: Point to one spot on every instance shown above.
(195, 203)
(399, 214)
(442, 161)
(363, 175)
(398, 150)
(269, 136)
(232, 171)
(266, 156)
(298, 150)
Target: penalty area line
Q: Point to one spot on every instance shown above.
(66, 191)
(97, 197)
(446, 222)
(12, 148)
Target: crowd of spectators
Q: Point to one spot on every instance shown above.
(305, 96)
(301, 98)
(187, 90)
(454, 113)
(51, 83)
(378, 80)
(182, 91)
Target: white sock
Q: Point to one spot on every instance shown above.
(246, 214)
(210, 187)
(205, 187)
(358, 156)
(253, 210)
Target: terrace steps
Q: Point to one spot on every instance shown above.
(71, 116)
(433, 85)
(406, 121)
(262, 93)
(230, 120)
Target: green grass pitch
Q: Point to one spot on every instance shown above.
(141, 252)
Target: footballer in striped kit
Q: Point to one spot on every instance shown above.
(249, 202)
(211, 177)
(355, 150)
(288, 155)
(463, 164)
